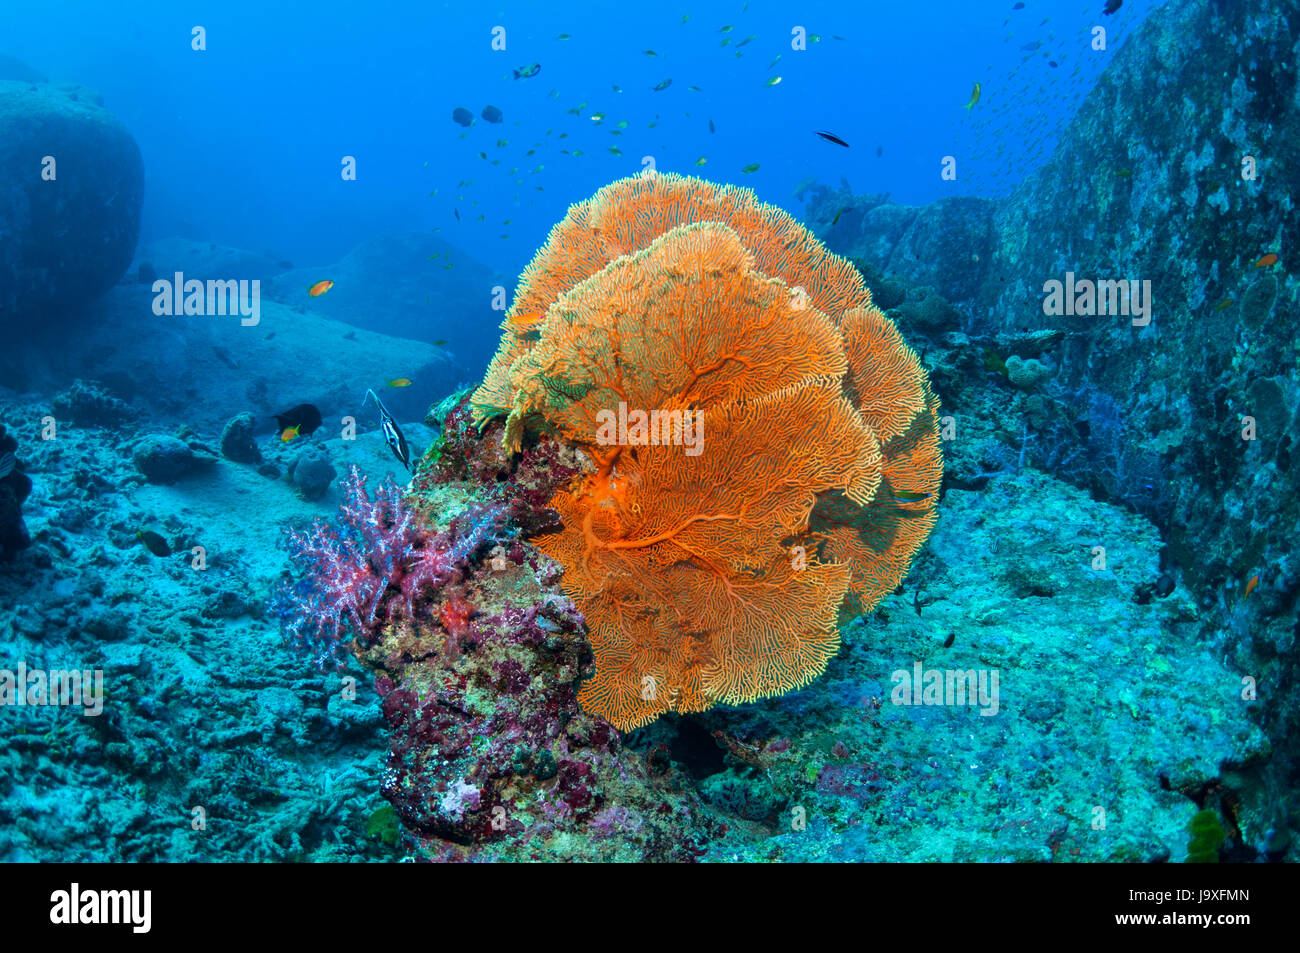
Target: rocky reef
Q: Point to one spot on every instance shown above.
(478, 655)
(1175, 178)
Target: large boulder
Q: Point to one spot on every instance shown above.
(410, 285)
(203, 369)
(71, 187)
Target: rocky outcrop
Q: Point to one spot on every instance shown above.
(1175, 177)
(15, 487)
(413, 286)
(70, 203)
(204, 369)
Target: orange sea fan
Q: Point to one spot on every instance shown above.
(628, 215)
(717, 572)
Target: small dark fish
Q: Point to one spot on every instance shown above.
(1030, 47)
(7, 464)
(1112, 6)
(392, 434)
(663, 85)
(305, 418)
(456, 212)
(833, 138)
(154, 543)
(492, 114)
(1053, 64)
(1018, 6)
(880, 151)
(462, 115)
(524, 72)
(712, 128)
(952, 636)
(440, 343)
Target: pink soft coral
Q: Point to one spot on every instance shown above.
(369, 568)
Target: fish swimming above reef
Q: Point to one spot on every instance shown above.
(1112, 6)
(319, 288)
(462, 115)
(492, 114)
(7, 463)
(154, 543)
(662, 85)
(393, 435)
(974, 96)
(525, 72)
(303, 419)
(829, 137)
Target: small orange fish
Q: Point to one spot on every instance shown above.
(288, 434)
(1251, 583)
(320, 287)
(527, 319)
(400, 382)
(1269, 259)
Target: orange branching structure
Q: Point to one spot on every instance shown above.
(720, 571)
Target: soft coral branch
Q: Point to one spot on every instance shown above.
(371, 567)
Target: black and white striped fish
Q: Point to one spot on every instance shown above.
(393, 435)
(7, 463)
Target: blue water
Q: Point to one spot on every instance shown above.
(243, 142)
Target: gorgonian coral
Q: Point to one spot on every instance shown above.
(718, 575)
(369, 567)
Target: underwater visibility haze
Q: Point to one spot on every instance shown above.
(728, 432)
